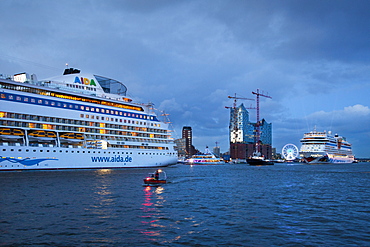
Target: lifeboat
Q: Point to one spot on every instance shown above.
(11, 134)
(42, 135)
(158, 177)
(72, 137)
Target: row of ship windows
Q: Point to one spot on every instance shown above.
(79, 107)
(73, 122)
(119, 120)
(46, 127)
(40, 91)
(98, 152)
(74, 85)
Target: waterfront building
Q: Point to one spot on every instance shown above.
(243, 136)
(241, 130)
(180, 147)
(187, 134)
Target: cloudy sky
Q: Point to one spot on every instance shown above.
(311, 57)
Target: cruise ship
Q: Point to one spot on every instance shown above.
(78, 120)
(325, 148)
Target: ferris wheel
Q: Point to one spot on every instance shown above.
(290, 152)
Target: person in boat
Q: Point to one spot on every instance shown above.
(156, 175)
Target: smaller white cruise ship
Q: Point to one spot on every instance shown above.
(325, 148)
(207, 158)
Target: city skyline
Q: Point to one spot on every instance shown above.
(187, 57)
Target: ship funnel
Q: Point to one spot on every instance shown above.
(71, 71)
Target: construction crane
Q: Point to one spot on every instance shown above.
(235, 129)
(235, 98)
(258, 94)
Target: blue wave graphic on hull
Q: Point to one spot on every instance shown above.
(25, 162)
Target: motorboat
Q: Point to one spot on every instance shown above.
(158, 177)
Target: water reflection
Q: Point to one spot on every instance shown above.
(103, 197)
(151, 208)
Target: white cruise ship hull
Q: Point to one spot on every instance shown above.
(51, 158)
(328, 159)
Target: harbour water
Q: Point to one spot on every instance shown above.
(225, 205)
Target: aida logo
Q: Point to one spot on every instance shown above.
(85, 81)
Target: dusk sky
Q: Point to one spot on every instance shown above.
(311, 57)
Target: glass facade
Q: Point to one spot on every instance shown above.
(241, 130)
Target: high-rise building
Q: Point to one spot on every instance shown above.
(243, 135)
(188, 136)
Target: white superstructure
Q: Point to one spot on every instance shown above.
(207, 158)
(323, 147)
(78, 120)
